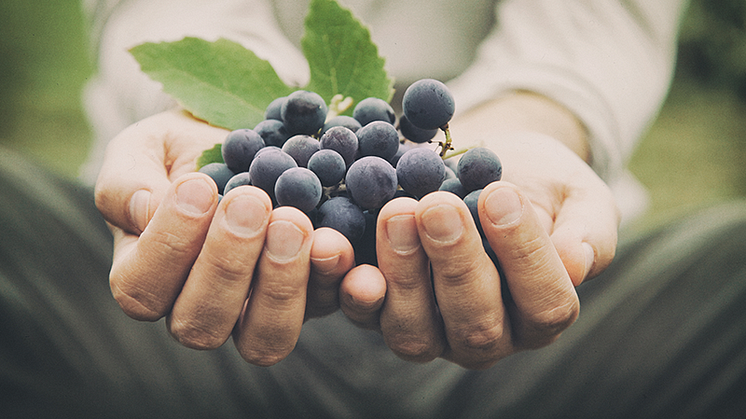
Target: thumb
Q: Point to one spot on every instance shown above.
(141, 162)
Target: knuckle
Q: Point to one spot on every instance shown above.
(416, 350)
(137, 303)
(263, 357)
(195, 336)
(282, 295)
(482, 340)
(553, 321)
(231, 269)
(172, 244)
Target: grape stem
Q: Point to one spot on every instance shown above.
(338, 105)
(446, 145)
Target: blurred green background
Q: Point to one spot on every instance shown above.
(693, 154)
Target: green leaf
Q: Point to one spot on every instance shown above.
(220, 82)
(211, 155)
(341, 56)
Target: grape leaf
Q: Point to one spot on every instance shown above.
(220, 82)
(341, 56)
(211, 155)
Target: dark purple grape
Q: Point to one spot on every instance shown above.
(478, 168)
(344, 216)
(239, 148)
(267, 166)
(273, 132)
(343, 141)
(471, 200)
(378, 138)
(329, 166)
(420, 171)
(240, 179)
(304, 112)
(341, 121)
(373, 109)
(301, 147)
(274, 109)
(298, 187)
(428, 104)
(415, 134)
(371, 182)
(454, 185)
(403, 148)
(219, 172)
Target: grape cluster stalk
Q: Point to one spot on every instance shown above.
(341, 170)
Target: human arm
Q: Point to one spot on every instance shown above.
(567, 229)
(181, 254)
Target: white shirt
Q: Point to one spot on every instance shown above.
(608, 61)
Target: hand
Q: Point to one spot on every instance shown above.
(551, 222)
(212, 268)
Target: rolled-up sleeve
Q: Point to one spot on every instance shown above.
(609, 62)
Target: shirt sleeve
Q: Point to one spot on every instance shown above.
(609, 62)
(120, 94)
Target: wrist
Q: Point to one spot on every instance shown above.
(523, 111)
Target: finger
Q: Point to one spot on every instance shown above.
(213, 296)
(148, 272)
(466, 282)
(410, 321)
(142, 161)
(361, 296)
(542, 292)
(332, 257)
(585, 231)
(270, 324)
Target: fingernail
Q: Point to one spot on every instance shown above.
(195, 196)
(284, 240)
(590, 257)
(140, 209)
(325, 265)
(503, 206)
(245, 215)
(402, 233)
(442, 223)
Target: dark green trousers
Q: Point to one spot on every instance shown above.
(661, 334)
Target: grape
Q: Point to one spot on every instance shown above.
(428, 104)
(239, 179)
(371, 182)
(478, 168)
(420, 171)
(274, 109)
(301, 147)
(359, 162)
(298, 187)
(378, 138)
(273, 132)
(267, 167)
(239, 148)
(471, 202)
(454, 185)
(413, 133)
(304, 112)
(329, 166)
(343, 141)
(450, 174)
(344, 216)
(373, 109)
(341, 121)
(403, 148)
(220, 174)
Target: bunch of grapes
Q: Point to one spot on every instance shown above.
(340, 170)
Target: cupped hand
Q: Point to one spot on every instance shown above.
(214, 268)
(551, 222)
